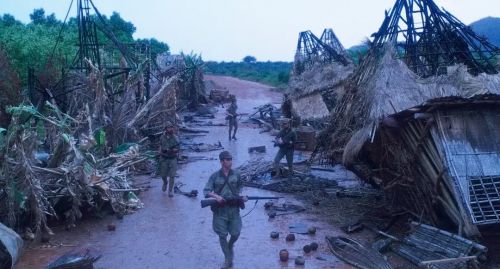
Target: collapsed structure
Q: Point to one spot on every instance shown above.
(72, 144)
(319, 68)
(419, 118)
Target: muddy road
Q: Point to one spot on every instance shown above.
(176, 232)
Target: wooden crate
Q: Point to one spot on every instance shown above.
(306, 138)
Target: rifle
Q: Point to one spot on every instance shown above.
(234, 202)
(166, 153)
(229, 115)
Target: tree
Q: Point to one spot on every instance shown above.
(51, 20)
(9, 20)
(38, 16)
(249, 59)
(156, 47)
(121, 28)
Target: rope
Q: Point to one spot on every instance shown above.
(60, 32)
(254, 205)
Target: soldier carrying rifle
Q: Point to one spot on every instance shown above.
(169, 148)
(232, 117)
(225, 184)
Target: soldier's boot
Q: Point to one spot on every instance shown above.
(164, 187)
(277, 171)
(171, 187)
(290, 172)
(234, 134)
(225, 249)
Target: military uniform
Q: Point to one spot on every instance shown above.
(168, 159)
(232, 117)
(288, 137)
(226, 220)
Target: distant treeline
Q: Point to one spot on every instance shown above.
(272, 73)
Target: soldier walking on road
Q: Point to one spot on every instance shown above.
(286, 141)
(169, 148)
(232, 116)
(224, 185)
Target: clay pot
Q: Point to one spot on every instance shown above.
(314, 246)
(290, 237)
(275, 235)
(284, 255)
(111, 227)
(307, 248)
(300, 260)
(312, 230)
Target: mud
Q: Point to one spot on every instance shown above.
(176, 232)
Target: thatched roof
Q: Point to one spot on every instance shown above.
(310, 107)
(384, 85)
(318, 78)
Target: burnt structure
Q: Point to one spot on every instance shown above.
(311, 50)
(114, 57)
(109, 59)
(418, 121)
(329, 38)
(429, 39)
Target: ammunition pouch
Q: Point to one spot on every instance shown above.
(169, 154)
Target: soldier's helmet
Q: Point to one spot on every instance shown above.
(286, 121)
(169, 124)
(225, 155)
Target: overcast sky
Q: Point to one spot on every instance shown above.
(231, 29)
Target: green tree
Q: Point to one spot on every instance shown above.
(38, 16)
(249, 59)
(8, 20)
(122, 29)
(156, 47)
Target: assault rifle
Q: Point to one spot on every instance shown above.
(229, 115)
(234, 202)
(167, 152)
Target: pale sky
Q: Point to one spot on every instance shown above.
(228, 30)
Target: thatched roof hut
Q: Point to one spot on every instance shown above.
(320, 66)
(431, 143)
(316, 91)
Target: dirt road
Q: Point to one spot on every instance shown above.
(176, 232)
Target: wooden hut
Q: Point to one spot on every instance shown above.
(431, 143)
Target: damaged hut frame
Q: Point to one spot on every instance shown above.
(429, 39)
(431, 142)
(311, 49)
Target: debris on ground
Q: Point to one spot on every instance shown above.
(438, 249)
(201, 147)
(258, 149)
(191, 194)
(298, 228)
(266, 117)
(356, 254)
(75, 260)
(219, 96)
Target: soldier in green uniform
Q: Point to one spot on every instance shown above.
(286, 141)
(232, 116)
(223, 185)
(169, 148)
